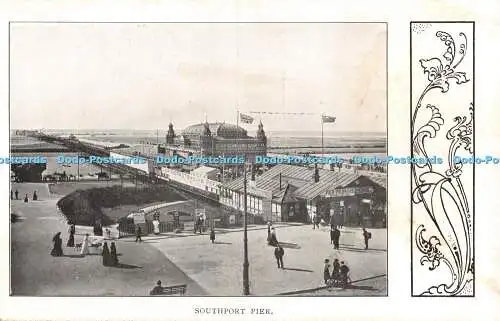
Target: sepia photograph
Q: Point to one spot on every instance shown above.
(198, 159)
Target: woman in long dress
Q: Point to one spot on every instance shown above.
(114, 255)
(156, 227)
(71, 239)
(274, 239)
(106, 257)
(85, 245)
(57, 249)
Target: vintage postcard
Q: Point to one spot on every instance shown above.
(206, 161)
(234, 171)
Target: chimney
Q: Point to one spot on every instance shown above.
(280, 181)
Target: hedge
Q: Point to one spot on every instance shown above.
(83, 207)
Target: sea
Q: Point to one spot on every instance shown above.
(275, 138)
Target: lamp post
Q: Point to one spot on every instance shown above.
(246, 285)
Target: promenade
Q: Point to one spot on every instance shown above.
(207, 269)
(35, 272)
(218, 267)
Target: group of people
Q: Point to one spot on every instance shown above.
(339, 275)
(109, 255)
(335, 237)
(272, 240)
(57, 248)
(26, 199)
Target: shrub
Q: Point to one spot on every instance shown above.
(83, 207)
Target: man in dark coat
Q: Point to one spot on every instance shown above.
(366, 236)
(336, 238)
(326, 271)
(344, 274)
(11, 195)
(279, 253)
(336, 272)
(17, 194)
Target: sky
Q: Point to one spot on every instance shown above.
(142, 76)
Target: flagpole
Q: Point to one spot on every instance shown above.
(237, 134)
(322, 146)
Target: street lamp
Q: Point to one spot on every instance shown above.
(246, 285)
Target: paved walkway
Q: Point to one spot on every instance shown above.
(218, 267)
(35, 272)
(207, 269)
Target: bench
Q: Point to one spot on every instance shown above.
(170, 290)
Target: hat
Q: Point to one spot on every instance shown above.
(327, 260)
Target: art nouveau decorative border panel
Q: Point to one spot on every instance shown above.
(442, 147)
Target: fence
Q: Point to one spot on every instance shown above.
(127, 227)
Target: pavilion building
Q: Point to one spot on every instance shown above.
(288, 193)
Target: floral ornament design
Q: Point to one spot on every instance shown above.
(441, 193)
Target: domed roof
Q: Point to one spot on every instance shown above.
(223, 130)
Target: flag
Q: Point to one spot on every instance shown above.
(327, 119)
(246, 119)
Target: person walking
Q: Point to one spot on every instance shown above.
(108, 233)
(279, 253)
(105, 255)
(26, 198)
(336, 272)
(274, 239)
(316, 222)
(11, 194)
(114, 255)
(85, 245)
(156, 227)
(366, 235)
(326, 271)
(332, 235)
(138, 234)
(336, 239)
(35, 197)
(344, 274)
(17, 194)
(212, 235)
(57, 249)
(71, 239)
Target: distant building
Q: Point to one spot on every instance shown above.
(216, 139)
